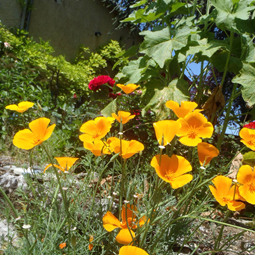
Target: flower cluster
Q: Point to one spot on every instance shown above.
(97, 82)
(250, 125)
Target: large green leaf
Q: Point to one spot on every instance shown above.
(250, 53)
(227, 12)
(249, 158)
(177, 90)
(160, 44)
(110, 108)
(247, 80)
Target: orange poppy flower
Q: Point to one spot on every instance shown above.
(128, 88)
(167, 130)
(123, 117)
(97, 147)
(248, 136)
(224, 193)
(110, 222)
(206, 152)
(194, 126)
(246, 177)
(62, 246)
(21, 107)
(65, 163)
(181, 112)
(91, 238)
(96, 129)
(127, 250)
(129, 148)
(173, 170)
(40, 132)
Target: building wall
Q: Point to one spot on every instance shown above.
(67, 24)
(10, 13)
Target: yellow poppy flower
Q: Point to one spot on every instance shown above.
(129, 148)
(127, 250)
(181, 111)
(167, 130)
(206, 152)
(65, 163)
(110, 222)
(248, 136)
(21, 107)
(246, 177)
(123, 117)
(224, 193)
(40, 132)
(96, 129)
(97, 147)
(128, 88)
(194, 126)
(173, 170)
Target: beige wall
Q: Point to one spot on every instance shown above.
(10, 13)
(69, 23)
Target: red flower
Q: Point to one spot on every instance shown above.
(74, 96)
(112, 95)
(250, 125)
(137, 112)
(97, 82)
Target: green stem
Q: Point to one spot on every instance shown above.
(201, 85)
(217, 243)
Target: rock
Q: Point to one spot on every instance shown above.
(7, 230)
(8, 168)
(10, 182)
(235, 165)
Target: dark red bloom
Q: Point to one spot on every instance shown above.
(250, 125)
(137, 112)
(112, 95)
(74, 96)
(97, 82)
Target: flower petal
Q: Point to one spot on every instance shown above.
(247, 194)
(132, 250)
(124, 236)
(128, 88)
(206, 152)
(110, 222)
(186, 140)
(24, 139)
(181, 181)
(39, 127)
(66, 162)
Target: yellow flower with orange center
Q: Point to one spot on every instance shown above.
(96, 129)
(226, 194)
(123, 117)
(172, 170)
(126, 148)
(166, 130)
(248, 136)
(246, 177)
(65, 163)
(206, 152)
(97, 147)
(194, 127)
(21, 107)
(40, 132)
(181, 111)
(110, 222)
(127, 250)
(128, 88)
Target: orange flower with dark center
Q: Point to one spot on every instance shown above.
(128, 250)
(173, 170)
(110, 222)
(96, 129)
(226, 194)
(194, 127)
(129, 148)
(248, 136)
(65, 163)
(21, 107)
(128, 88)
(62, 246)
(123, 117)
(206, 152)
(166, 130)
(40, 132)
(181, 111)
(246, 177)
